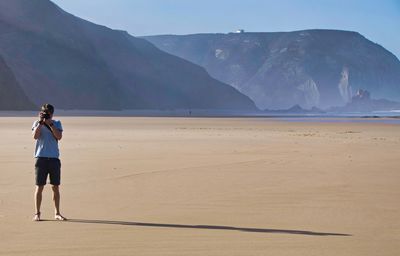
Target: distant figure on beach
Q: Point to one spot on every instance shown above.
(47, 132)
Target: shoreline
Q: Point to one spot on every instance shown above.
(203, 114)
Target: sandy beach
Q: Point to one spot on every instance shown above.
(206, 186)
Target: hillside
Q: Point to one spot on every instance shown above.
(59, 58)
(12, 96)
(320, 68)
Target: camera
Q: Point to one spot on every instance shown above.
(44, 115)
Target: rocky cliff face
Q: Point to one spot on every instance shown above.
(319, 68)
(59, 58)
(12, 96)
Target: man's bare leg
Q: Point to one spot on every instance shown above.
(38, 202)
(56, 199)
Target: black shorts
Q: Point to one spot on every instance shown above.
(47, 166)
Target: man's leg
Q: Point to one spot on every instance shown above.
(56, 200)
(40, 182)
(38, 201)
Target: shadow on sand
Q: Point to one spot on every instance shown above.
(243, 229)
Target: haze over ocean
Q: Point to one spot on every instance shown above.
(376, 20)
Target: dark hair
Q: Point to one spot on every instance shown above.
(48, 108)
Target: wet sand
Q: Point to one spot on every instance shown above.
(206, 186)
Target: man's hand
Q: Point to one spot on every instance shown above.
(49, 122)
(41, 117)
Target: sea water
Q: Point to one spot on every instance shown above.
(387, 117)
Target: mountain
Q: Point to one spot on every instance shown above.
(12, 96)
(320, 68)
(74, 64)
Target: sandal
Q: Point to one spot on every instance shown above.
(36, 217)
(59, 217)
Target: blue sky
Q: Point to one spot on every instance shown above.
(378, 20)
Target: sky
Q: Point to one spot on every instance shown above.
(377, 20)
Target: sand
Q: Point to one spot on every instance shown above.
(206, 186)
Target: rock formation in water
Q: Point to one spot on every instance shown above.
(362, 102)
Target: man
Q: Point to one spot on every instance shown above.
(47, 132)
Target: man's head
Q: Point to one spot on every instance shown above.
(47, 111)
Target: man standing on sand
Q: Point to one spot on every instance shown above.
(47, 132)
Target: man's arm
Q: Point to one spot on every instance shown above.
(56, 133)
(36, 131)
